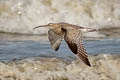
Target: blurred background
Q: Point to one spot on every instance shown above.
(21, 16)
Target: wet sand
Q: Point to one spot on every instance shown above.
(112, 32)
(108, 32)
(16, 36)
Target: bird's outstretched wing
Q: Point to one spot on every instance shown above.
(55, 40)
(74, 41)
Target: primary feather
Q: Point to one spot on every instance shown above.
(75, 44)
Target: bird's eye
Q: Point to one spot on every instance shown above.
(50, 23)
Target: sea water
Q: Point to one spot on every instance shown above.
(10, 50)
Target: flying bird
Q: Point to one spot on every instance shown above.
(72, 34)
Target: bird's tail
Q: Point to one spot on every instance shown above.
(88, 30)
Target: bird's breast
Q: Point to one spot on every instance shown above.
(58, 31)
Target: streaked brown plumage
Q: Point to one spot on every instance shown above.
(72, 34)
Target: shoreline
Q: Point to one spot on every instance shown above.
(37, 37)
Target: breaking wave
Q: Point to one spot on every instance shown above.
(20, 16)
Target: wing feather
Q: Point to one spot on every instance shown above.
(55, 40)
(74, 41)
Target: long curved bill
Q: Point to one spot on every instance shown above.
(41, 26)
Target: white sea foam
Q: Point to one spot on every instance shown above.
(56, 69)
(20, 16)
